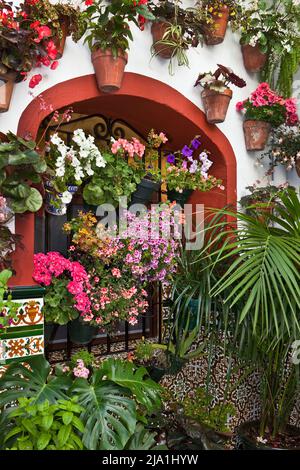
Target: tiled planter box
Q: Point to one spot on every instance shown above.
(25, 337)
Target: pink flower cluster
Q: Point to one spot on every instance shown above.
(53, 264)
(80, 370)
(132, 148)
(265, 96)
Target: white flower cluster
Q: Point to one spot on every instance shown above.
(81, 158)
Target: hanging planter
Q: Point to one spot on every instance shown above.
(254, 59)
(144, 191)
(216, 94)
(218, 28)
(216, 104)
(57, 203)
(256, 134)
(158, 31)
(61, 41)
(7, 82)
(81, 333)
(109, 70)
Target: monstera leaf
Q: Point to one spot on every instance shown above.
(110, 414)
(126, 374)
(143, 440)
(33, 381)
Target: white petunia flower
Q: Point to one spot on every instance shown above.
(66, 197)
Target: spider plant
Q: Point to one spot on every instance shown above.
(263, 278)
(173, 39)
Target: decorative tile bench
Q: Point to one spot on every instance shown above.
(25, 336)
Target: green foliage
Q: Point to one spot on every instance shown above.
(108, 24)
(117, 179)
(143, 351)
(261, 289)
(59, 303)
(264, 195)
(35, 382)
(85, 356)
(275, 114)
(143, 440)
(200, 406)
(26, 167)
(45, 426)
(8, 308)
(284, 147)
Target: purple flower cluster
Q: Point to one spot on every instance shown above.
(188, 161)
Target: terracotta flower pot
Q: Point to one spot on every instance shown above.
(254, 59)
(256, 134)
(109, 70)
(158, 30)
(7, 82)
(218, 28)
(216, 104)
(60, 42)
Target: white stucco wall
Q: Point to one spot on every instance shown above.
(76, 62)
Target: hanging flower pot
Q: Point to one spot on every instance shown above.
(144, 191)
(81, 333)
(7, 82)
(61, 41)
(256, 134)
(218, 28)
(254, 59)
(56, 203)
(158, 30)
(109, 70)
(180, 198)
(216, 104)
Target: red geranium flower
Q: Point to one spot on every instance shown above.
(51, 50)
(43, 32)
(35, 80)
(89, 2)
(34, 25)
(54, 65)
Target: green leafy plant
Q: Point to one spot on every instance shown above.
(262, 285)
(262, 196)
(206, 11)
(59, 303)
(20, 167)
(200, 406)
(219, 80)
(8, 308)
(107, 25)
(284, 147)
(275, 27)
(87, 357)
(45, 426)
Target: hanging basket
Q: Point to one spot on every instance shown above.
(254, 59)
(256, 134)
(144, 191)
(158, 30)
(218, 28)
(109, 70)
(216, 104)
(53, 202)
(80, 333)
(7, 83)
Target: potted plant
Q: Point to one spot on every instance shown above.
(62, 18)
(216, 94)
(130, 171)
(187, 171)
(68, 168)
(263, 296)
(215, 15)
(21, 167)
(265, 109)
(8, 239)
(66, 297)
(8, 308)
(270, 42)
(108, 35)
(285, 148)
(25, 44)
(174, 31)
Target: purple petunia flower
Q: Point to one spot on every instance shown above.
(171, 158)
(196, 143)
(186, 151)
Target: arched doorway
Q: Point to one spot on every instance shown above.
(144, 103)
